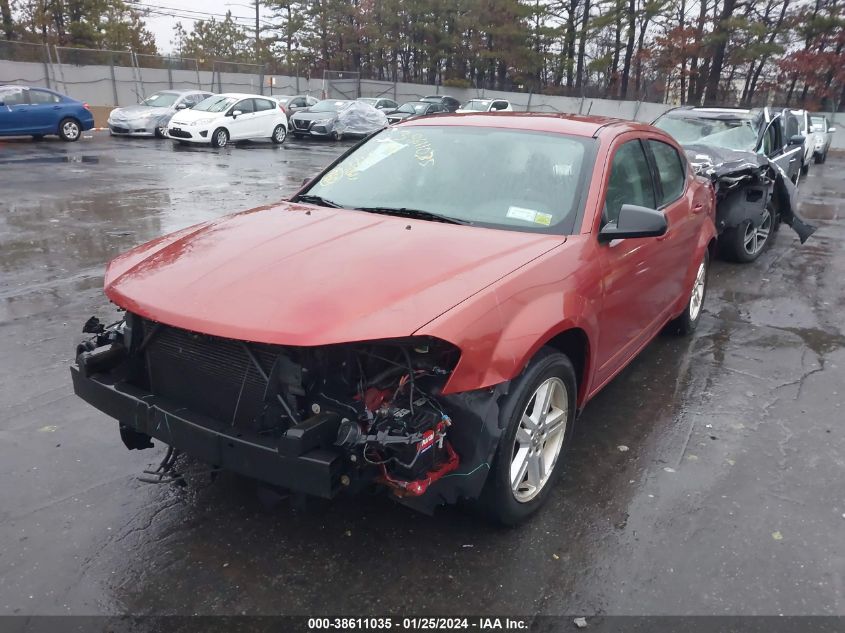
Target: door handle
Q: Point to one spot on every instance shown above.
(698, 208)
(55, 107)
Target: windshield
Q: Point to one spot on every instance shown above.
(215, 104)
(737, 134)
(476, 105)
(526, 181)
(160, 100)
(817, 122)
(369, 100)
(329, 105)
(414, 107)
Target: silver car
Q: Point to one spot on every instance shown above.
(823, 136)
(151, 116)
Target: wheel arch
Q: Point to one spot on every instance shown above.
(575, 344)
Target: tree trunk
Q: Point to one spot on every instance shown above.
(582, 45)
(722, 33)
(694, 78)
(8, 27)
(617, 44)
(568, 53)
(629, 50)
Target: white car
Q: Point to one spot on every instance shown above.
(486, 105)
(230, 117)
(824, 136)
(806, 130)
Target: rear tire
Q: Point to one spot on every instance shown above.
(70, 130)
(528, 463)
(159, 132)
(220, 137)
(745, 243)
(805, 169)
(279, 134)
(686, 323)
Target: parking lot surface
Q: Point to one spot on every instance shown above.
(705, 479)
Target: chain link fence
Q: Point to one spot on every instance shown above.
(109, 78)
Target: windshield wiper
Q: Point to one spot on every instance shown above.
(404, 212)
(311, 198)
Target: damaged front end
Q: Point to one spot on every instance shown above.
(747, 184)
(315, 420)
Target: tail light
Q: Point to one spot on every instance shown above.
(85, 105)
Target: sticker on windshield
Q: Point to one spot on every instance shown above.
(530, 215)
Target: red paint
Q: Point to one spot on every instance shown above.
(281, 275)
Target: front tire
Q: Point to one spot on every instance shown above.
(746, 242)
(279, 134)
(805, 168)
(69, 130)
(686, 323)
(538, 416)
(220, 137)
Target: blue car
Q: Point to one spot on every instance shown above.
(38, 112)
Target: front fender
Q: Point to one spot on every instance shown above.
(499, 330)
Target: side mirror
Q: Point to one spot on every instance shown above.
(305, 181)
(182, 106)
(830, 129)
(798, 139)
(634, 221)
(236, 114)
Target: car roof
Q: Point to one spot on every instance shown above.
(241, 95)
(710, 113)
(573, 124)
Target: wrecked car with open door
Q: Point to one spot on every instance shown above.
(401, 326)
(753, 167)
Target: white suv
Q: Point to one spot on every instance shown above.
(230, 117)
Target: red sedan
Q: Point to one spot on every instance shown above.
(427, 316)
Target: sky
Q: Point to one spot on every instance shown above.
(164, 14)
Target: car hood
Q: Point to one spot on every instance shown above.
(135, 111)
(188, 116)
(298, 274)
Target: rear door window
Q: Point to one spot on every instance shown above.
(670, 171)
(42, 97)
(262, 105)
(630, 181)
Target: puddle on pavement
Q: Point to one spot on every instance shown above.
(816, 211)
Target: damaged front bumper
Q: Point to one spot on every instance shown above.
(295, 461)
(324, 449)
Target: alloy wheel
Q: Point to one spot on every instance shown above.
(539, 439)
(222, 138)
(697, 297)
(755, 237)
(71, 130)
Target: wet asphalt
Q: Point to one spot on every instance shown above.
(706, 479)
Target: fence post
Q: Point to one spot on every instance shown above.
(395, 90)
(169, 73)
(636, 111)
(261, 79)
(113, 79)
(61, 70)
(47, 63)
(528, 106)
(199, 81)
